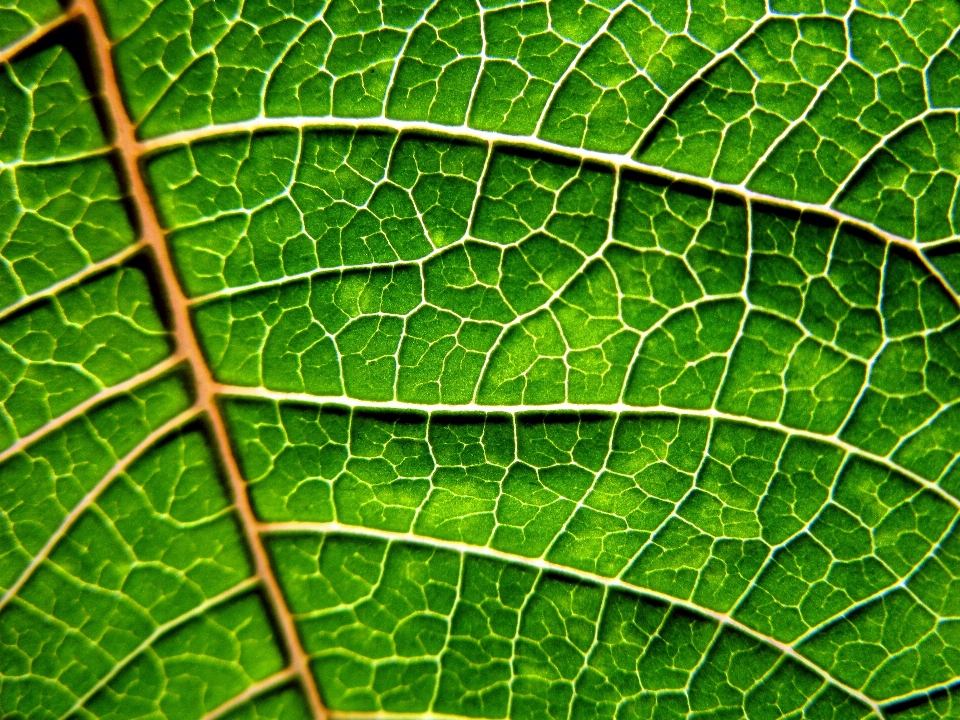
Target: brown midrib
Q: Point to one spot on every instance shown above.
(128, 150)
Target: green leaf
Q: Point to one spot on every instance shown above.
(559, 359)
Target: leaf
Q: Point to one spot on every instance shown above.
(542, 360)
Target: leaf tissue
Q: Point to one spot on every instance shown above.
(529, 359)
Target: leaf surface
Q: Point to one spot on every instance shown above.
(534, 360)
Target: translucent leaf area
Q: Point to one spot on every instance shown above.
(561, 360)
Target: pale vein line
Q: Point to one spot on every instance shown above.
(127, 146)
(258, 688)
(759, 164)
(161, 630)
(91, 497)
(101, 397)
(449, 623)
(718, 58)
(402, 52)
(491, 137)
(613, 408)
(331, 271)
(902, 582)
(572, 67)
(17, 46)
(619, 162)
(917, 694)
(881, 144)
(547, 566)
(75, 278)
(100, 152)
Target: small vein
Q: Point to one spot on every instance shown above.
(547, 566)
